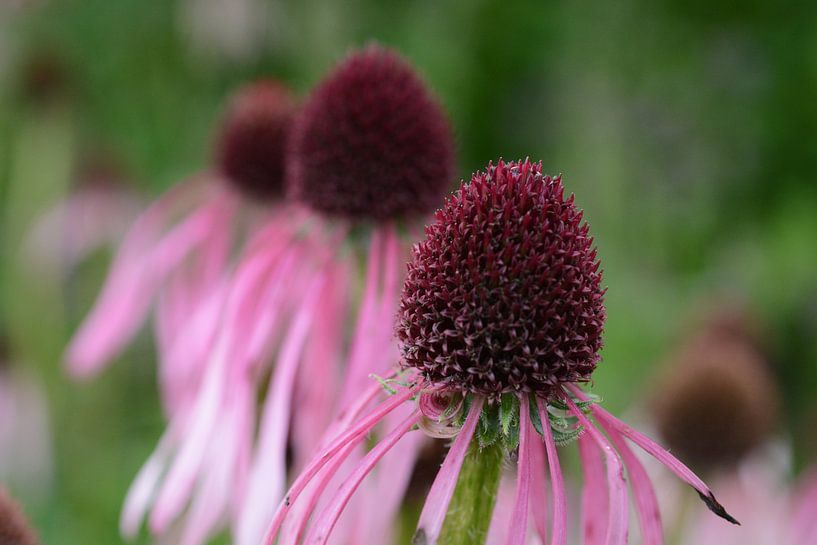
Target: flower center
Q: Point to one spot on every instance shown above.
(504, 294)
(372, 143)
(252, 140)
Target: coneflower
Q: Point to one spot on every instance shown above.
(273, 333)
(500, 321)
(717, 407)
(14, 528)
(718, 399)
(177, 257)
(194, 221)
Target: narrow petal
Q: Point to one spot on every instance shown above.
(618, 505)
(594, 498)
(320, 532)
(349, 435)
(268, 474)
(559, 531)
(659, 453)
(646, 503)
(436, 505)
(519, 520)
(538, 490)
(143, 488)
(136, 273)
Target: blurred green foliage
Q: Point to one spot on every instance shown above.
(688, 131)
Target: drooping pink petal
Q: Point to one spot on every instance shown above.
(594, 497)
(316, 398)
(519, 520)
(617, 527)
(325, 522)
(141, 264)
(660, 454)
(538, 490)
(294, 526)
(144, 486)
(384, 496)
(268, 475)
(503, 511)
(210, 503)
(559, 530)
(359, 367)
(436, 505)
(351, 434)
(178, 484)
(646, 503)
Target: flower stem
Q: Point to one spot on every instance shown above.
(469, 513)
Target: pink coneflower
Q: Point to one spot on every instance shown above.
(717, 408)
(177, 257)
(26, 459)
(95, 215)
(14, 528)
(718, 400)
(188, 231)
(500, 321)
(273, 333)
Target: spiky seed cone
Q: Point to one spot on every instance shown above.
(504, 294)
(14, 528)
(717, 402)
(252, 139)
(371, 142)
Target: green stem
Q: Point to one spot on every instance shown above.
(469, 513)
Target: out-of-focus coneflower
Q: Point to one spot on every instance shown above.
(14, 528)
(189, 229)
(95, 215)
(500, 320)
(369, 154)
(26, 458)
(718, 400)
(177, 257)
(717, 409)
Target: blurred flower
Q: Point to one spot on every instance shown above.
(95, 215)
(178, 253)
(14, 528)
(718, 407)
(25, 435)
(718, 400)
(500, 319)
(369, 155)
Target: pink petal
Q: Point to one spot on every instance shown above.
(660, 454)
(646, 503)
(594, 499)
(268, 474)
(559, 533)
(436, 505)
(618, 505)
(349, 435)
(320, 532)
(538, 490)
(519, 519)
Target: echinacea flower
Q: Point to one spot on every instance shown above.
(26, 458)
(14, 528)
(96, 214)
(718, 400)
(192, 224)
(717, 409)
(368, 155)
(500, 320)
(177, 257)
